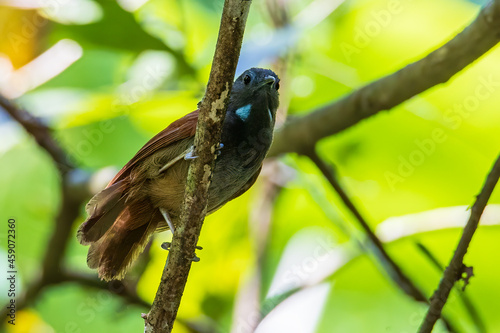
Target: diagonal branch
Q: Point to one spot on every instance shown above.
(118, 288)
(455, 269)
(40, 132)
(391, 267)
(302, 133)
(474, 313)
(212, 112)
(72, 196)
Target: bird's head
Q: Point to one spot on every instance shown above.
(256, 86)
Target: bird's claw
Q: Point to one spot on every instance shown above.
(166, 246)
(218, 149)
(195, 258)
(190, 155)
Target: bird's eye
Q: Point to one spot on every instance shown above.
(247, 79)
(277, 85)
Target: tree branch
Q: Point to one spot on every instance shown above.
(302, 133)
(116, 287)
(391, 267)
(212, 112)
(40, 132)
(474, 313)
(456, 267)
(72, 196)
(389, 264)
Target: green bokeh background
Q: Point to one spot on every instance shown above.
(327, 57)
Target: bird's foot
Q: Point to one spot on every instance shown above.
(195, 259)
(190, 155)
(166, 246)
(218, 149)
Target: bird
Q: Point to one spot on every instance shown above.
(146, 195)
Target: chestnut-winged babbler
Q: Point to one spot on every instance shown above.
(147, 193)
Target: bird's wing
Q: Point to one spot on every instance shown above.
(180, 129)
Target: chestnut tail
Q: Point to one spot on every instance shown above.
(117, 230)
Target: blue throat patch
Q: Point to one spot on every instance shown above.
(244, 112)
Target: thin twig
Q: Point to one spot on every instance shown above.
(40, 132)
(68, 212)
(467, 302)
(390, 266)
(69, 207)
(71, 198)
(454, 270)
(119, 288)
(302, 133)
(127, 292)
(212, 112)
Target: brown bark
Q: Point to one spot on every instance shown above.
(212, 111)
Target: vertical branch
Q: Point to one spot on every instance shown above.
(212, 112)
(456, 267)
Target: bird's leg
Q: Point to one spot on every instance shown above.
(167, 218)
(190, 155)
(166, 245)
(176, 159)
(164, 213)
(195, 259)
(218, 150)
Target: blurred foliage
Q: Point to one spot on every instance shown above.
(142, 69)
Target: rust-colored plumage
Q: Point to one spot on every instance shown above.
(180, 129)
(123, 216)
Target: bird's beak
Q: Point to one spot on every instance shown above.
(268, 80)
